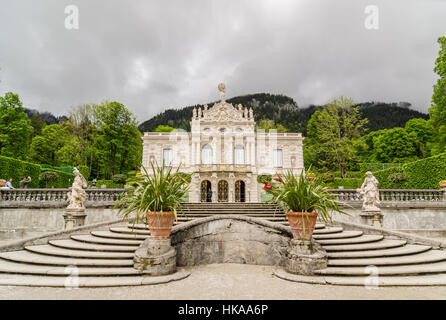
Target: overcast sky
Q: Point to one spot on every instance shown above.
(153, 55)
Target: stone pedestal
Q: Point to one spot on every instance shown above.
(74, 217)
(305, 257)
(372, 218)
(155, 257)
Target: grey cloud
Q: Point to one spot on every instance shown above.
(152, 55)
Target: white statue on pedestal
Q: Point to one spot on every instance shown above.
(77, 195)
(370, 192)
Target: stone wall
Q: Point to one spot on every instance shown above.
(230, 239)
(24, 222)
(418, 218)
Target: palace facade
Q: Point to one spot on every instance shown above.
(225, 153)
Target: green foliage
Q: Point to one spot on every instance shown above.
(347, 183)
(398, 177)
(333, 132)
(162, 128)
(420, 174)
(160, 191)
(119, 178)
(85, 171)
(49, 178)
(64, 179)
(284, 110)
(264, 178)
(364, 167)
(385, 183)
(437, 110)
(268, 125)
(299, 194)
(16, 169)
(426, 173)
(118, 142)
(109, 184)
(397, 145)
(326, 177)
(15, 128)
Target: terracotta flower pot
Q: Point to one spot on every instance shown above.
(160, 223)
(297, 221)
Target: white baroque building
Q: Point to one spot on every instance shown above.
(224, 153)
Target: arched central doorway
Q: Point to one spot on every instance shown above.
(206, 191)
(240, 191)
(222, 191)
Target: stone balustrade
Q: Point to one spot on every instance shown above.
(108, 197)
(56, 197)
(394, 195)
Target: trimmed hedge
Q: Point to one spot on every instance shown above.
(16, 169)
(383, 178)
(364, 167)
(65, 179)
(347, 183)
(108, 183)
(421, 174)
(426, 173)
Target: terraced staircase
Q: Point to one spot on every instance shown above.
(105, 257)
(359, 259)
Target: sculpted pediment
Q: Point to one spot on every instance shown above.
(223, 111)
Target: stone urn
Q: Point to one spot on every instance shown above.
(160, 224)
(299, 220)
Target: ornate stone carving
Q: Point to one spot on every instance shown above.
(77, 195)
(223, 111)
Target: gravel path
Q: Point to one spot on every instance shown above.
(227, 281)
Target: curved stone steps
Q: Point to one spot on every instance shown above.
(406, 270)
(356, 240)
(120, 236)
(383, 244)
(24, 256)
(420, 258)
(338, 235)
(328, 230)
(366, 281)
(83, 254)
(401, 251)
(91, 281)
(98, 240)
(11, 267)
(127, 230)
(77, 245)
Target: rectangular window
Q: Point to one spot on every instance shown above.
(167, 157)
(278, 158)
(239, 155)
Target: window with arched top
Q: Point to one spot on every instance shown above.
(239, 154)
(206, 154)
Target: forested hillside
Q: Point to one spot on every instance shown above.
(285, 111)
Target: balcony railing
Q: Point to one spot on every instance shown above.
(394, 195)
(110, 196)
(104, 196)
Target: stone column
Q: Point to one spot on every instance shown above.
(155, 257)
(372, 218)
(74, 217)
(305, 257)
